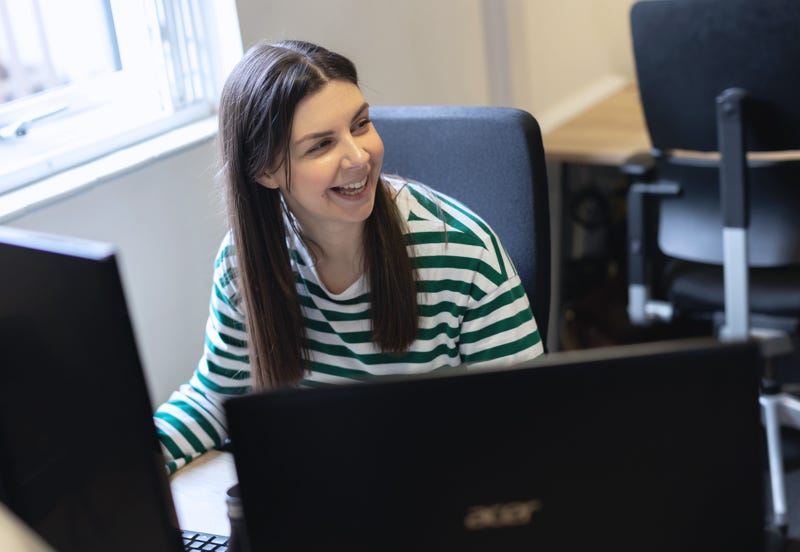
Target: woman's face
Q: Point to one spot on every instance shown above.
(335, 155)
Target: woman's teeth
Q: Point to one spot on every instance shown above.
(351, 189)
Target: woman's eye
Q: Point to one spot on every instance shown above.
(319, 146)
(362, 123)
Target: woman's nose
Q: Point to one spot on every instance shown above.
(354, 154)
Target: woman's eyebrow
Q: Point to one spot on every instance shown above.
(325, 133)
(361, 110)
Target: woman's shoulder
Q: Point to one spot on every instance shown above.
(226, 271)
(440, 225)
(403, 187)
(226, 252)
(421, 203)
(226, 293)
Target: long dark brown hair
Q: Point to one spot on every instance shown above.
(257, 108)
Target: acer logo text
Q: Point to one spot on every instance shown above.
(506, 514)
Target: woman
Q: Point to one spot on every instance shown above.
(333, 272)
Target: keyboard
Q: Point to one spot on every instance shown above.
(194, 541)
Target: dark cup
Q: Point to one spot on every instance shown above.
(238, 541)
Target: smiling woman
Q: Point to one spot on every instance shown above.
(82, 79)
(333, 272)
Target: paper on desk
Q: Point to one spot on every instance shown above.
(199, 493)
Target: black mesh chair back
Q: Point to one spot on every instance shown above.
(492, 160)
(688, 52)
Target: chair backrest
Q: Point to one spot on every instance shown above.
(686, 54)
(492, 160)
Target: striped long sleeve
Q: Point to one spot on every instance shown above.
(192, 420)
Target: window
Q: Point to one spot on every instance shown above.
(80, 79)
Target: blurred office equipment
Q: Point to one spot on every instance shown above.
(81, 463)
(491, 160)
(714, 215)
(588, 198)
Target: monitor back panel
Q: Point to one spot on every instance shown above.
(633, 448)
(80, 461)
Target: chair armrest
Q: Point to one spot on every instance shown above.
(640, 167)
(735, 217)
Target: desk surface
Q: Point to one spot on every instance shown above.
(198, 491)
(605, 134)
(613, 129)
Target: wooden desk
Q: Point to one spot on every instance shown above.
(605, 134)
(613, 129)
(198, 491)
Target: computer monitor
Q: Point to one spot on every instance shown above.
(80, 461)
(648, 447)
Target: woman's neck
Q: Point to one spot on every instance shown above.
(339, 257)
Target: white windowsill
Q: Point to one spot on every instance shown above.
(18, 202)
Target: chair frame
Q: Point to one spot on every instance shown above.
(777, 407)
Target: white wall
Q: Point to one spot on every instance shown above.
(409, 51)
(563, 54)
(166, 218)
(567, 54)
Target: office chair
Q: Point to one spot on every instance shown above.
(492, 160)
(719, 79)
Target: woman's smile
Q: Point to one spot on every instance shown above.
(355, 190)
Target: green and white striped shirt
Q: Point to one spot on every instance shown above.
(472, 310)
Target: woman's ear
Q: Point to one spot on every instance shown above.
(268, 180)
